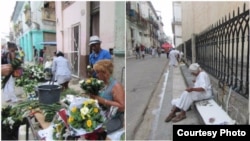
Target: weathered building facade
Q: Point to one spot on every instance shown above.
(104, 19)
(33, 23)
(144, 26)
(216, 35)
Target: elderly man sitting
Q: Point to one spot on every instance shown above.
(201, 90)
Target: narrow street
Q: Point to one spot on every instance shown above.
(145, 121)
(142, 79)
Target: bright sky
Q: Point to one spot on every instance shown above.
(166, 12)
(163, 6)
(6, 9)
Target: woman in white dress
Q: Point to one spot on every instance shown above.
(202, 90)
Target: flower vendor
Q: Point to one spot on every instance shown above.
(113, 95)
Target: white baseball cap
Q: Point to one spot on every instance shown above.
(94, 39)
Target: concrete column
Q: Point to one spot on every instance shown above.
(193, 48)
(185, 52)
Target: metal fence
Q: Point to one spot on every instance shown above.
(223, 51)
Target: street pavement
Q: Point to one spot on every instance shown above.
(151, 85)
(142, 77)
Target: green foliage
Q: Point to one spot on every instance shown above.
(69, 91)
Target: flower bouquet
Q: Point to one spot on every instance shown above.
(85, 116)
(92, 85)
(17, 71)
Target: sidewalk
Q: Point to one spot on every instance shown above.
(177, 82)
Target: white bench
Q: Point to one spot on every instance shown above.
(212, 114)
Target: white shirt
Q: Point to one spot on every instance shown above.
(202, 80)
(61, 66)
(173, 57)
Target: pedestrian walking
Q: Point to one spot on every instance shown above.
(42, 56)
(153, 52)
(202, 90)
(159, 51)
(137, 51)
(143, 51)
(35, 54)
(173, 58)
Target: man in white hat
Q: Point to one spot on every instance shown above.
(202, 90)
(98, 53)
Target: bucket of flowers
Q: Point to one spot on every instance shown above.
(85, 116)
(91, 85)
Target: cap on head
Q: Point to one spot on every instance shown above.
(94, 39)
(195, 67)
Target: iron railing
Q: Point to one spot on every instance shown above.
(223, 51)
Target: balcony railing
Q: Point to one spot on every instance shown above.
(48, 14)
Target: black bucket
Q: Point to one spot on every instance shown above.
(49, 94)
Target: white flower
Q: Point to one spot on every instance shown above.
(82, 81)
(99, 81)
(57, 135)
(67, 133)
(10, 120)
(88, 67)
(84, 110)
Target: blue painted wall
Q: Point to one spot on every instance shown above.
(30, 39)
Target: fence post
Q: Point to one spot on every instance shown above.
(193, 48)
(185, 52)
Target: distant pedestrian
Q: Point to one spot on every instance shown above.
(180, 56)
(42, 56)
(159, 51)
(137, 51)
(153, 51)
(35, 54)
(143, 51)
(173, 57)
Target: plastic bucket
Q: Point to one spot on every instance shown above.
(49, 94)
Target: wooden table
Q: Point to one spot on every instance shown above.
(39, 117)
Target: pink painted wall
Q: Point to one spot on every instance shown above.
(73, 15)
(78, 13)
(107, 24)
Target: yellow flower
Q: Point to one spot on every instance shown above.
(58, 128)
(73, 110)
(88, 81)
(96, 110)
(85, 103)
(89, 123)
(91, 101)
(70, 119)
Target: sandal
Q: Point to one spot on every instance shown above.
(178, 118)
(170, 117)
